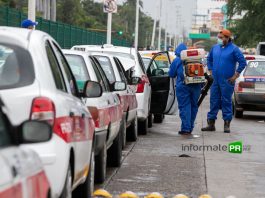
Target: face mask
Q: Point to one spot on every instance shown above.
(220, 41)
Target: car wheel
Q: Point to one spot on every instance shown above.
(158, 118)
(101, 165)
(123, 132)
(132, 132)
(150, 120)
(87, 188)
(238, 114)
(67, 190)
(115, 152)
(143, 126)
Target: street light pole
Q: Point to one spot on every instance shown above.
(160, 27)
(136, 25)
(154, 28)
(109, 28)
(32, 10)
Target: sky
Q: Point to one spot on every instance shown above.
(186, 8)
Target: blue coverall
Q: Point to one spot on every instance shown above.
(187, 95)
(222, 61)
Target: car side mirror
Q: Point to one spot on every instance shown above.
(158, 72)
(135, 80)
(92, 89)
(34, 132)
(119, 86)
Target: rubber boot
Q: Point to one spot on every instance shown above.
(227, 126)
(210, 127)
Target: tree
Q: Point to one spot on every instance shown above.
(249, 30)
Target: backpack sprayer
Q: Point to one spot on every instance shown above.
(194, 70)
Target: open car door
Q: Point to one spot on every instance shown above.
(163, 100)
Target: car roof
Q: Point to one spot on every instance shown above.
(19, 36)
(128, 50)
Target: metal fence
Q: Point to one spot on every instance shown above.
(66, 35)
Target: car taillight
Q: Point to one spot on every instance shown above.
(244, 85)
(140, 86)
(43, 109)
(250, 58)
(192, 53)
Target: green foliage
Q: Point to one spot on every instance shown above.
(250, 29)
(89, 14)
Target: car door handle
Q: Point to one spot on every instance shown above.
(71, 114)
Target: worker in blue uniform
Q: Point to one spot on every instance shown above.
(222, 64)
(187, 95)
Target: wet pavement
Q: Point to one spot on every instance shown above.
(161, 161)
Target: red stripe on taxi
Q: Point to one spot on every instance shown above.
(14, 192)
(74, 129)
(38, 186)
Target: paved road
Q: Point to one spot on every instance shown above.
(158, 163)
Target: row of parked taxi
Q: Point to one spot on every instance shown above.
(65, 115)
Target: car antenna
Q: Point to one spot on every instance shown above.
(102, 47)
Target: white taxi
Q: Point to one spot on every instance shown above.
(36, 83)
(22, 173)
(106, 111)
(143, 90)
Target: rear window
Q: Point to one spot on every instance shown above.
(146, 62)
(262, 49)
(78, 67)
(255, 68)
(16, 67)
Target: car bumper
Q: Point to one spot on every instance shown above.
(143, 106)
(251, 101)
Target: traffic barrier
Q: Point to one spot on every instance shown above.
(180, 196)
(66, 35)
(101, 193)
(128, 194)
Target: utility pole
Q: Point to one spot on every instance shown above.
(160, 27)
(32, 10)
(53, 10)
(165, 48)
(136, 25)
(154, 29)
(109, 28)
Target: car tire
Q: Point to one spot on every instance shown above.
(123, 131)
(115, 152)
(238, 114)
(143, 127)
(158, 118)
(67, 189)
(132, 131)
(87, 188)
(150, 120)
(101, 165)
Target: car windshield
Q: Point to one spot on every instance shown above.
(78, 67)
(16, 67)
(107, 68)
(4, 134)
(255, 68)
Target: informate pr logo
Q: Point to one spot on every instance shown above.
(235, 147)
